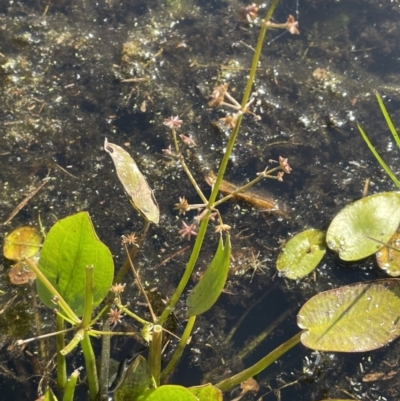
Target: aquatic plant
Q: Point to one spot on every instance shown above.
(75, 273)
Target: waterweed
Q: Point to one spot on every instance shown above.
(149, 372)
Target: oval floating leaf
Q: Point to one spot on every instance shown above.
(206, 392)
(353, 230)
(170, 393)
(354, 318)
(301, 254)
(134, 183)
(70, 246)
(137, 380)
(388, 257)
(209, 288)
(21, 274)
(22, 242)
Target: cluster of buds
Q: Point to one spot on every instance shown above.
(221, 97)
(291, 25)
(283, 165)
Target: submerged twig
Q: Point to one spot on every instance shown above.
(27, 199)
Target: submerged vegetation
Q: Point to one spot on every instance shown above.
(171, 317)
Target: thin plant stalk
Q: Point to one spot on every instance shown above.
(262, 364)
(60, 300)
(388, 119)
(255, 342)
(61, 362)
(377, 157)
(260, 177)
(224, 163)
(179, 349)
(139, 283)
(125, 266)
(233, 330)
(188, 270)
(155, 353)
(88, 307)
(70, 387)
(186, 168)
(104, 373)
(91, 370)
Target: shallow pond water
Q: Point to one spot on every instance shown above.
(73, 73)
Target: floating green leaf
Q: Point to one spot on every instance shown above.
(169, 393)
(301, 254)
(137, 380)
(353, 230)
(134, 183)
(354, 318)
(22, 242)
(207, 392)
(388, 257)
(70, 246)
(209, 288)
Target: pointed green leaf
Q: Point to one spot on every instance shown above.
(207, 392)
(137, 380)
(354, 318)
(22, 242)
(301, 254)
(134, 183)
(70, 246)
(169, 393)
(210, 286)
(49, 395)
(353, 230)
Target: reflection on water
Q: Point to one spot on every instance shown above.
(75, 72)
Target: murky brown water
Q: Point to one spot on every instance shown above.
(73, 73)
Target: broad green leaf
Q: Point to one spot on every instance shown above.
(22, 242)
(388, 257)
(134, 183)
(169, 393)
(70, 246)
(207, 392)
(210, 286)
(301, 254)
(354, 318)
(353, 230)
(137, 380)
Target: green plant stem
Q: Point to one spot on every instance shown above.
(233, 330)
(88, 308)
(91, 370)
(388, 119)
(70, 387)
(179, 349)
(76, 339)
(203, 226)
(131, 314)
(139, 283)
(186, 168)
(249, 347)
(60, 300)
(104, 374)
(245, 99)
(260, 177)
(188, 270)
(155, 353)
(262, 364)
(375, 153)
(60, 359)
